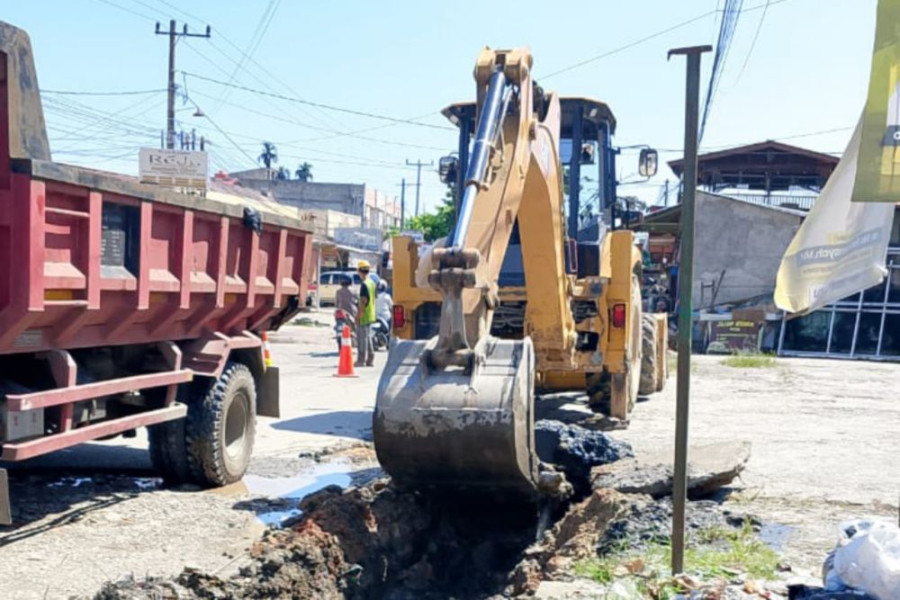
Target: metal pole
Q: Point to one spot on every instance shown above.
(403, 204)
(686, 284)
(319, 274)
(419, 164)
(170, 108)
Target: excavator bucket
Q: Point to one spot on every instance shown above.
(458, 427)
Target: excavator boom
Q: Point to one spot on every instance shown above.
(458, 409)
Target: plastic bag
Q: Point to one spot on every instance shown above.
(868, 558)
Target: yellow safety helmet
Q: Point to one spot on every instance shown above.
(363, 264)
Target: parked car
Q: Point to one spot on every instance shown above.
(330, 281)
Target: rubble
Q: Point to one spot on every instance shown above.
(646, 522)
(711, 467)
(379, 541)
(576, 450)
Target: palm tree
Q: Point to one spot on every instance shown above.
(269, 155)
(282, 174)
(304, 172)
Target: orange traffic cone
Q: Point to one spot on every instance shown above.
(345, 362)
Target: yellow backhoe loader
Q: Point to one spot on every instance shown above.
(455, 404)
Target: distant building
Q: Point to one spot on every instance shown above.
(738, 248)
(375, 209)
(769, 173)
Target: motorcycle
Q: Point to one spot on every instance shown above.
(381, 334)
(341, 318)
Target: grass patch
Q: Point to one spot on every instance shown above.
(721, 553)
(750, 361)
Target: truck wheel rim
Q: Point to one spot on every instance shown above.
(236, 425)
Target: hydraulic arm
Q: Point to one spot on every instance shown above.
(458, 409)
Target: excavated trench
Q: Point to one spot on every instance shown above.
(377, 541)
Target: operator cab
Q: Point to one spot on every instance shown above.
(589, 179)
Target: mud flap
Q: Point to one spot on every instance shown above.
(267, 396)
(5, 508)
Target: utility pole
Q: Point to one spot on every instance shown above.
(419, 164)
(666, 201)
(403, 204)
(170, 113)
(685, 291)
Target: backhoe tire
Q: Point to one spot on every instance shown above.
(598, 392)
(168, 451)
(221, 426)
(649, 360)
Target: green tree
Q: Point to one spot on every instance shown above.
(304, 172)
(437, 224)
(269, 155)
(282, 174)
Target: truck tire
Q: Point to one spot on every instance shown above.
(221, 427)
(649, 375)
(168, 452)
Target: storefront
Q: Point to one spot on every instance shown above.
(865, 325)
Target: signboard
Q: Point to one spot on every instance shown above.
(174, 168)
(878, 171)
(729, 337)
(840, 247)
(359, 237)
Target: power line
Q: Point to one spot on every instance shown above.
(774, 139)
(360, 113)
(126, 9)
(629, 45)
(87, 93)
(730, 16)
(261, 28)
(648, 38)
(337, 134)
(260, 66)
(759, 25)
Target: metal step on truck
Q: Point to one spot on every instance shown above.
(127, 305)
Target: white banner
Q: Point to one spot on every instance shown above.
(840, 247)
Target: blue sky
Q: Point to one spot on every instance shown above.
(807, 73)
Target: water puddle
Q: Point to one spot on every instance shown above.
(289, 490)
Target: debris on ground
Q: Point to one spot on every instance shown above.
(576, 450)
(866, 559)
(375, 540)
(711, 467)
(366, 542)
(646, 522)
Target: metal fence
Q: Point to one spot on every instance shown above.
(795, 200)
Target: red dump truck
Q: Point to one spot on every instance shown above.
(125, 305)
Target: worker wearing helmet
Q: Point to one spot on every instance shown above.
(365, 317)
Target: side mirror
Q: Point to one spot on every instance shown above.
(448, 167)
(648, 162)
